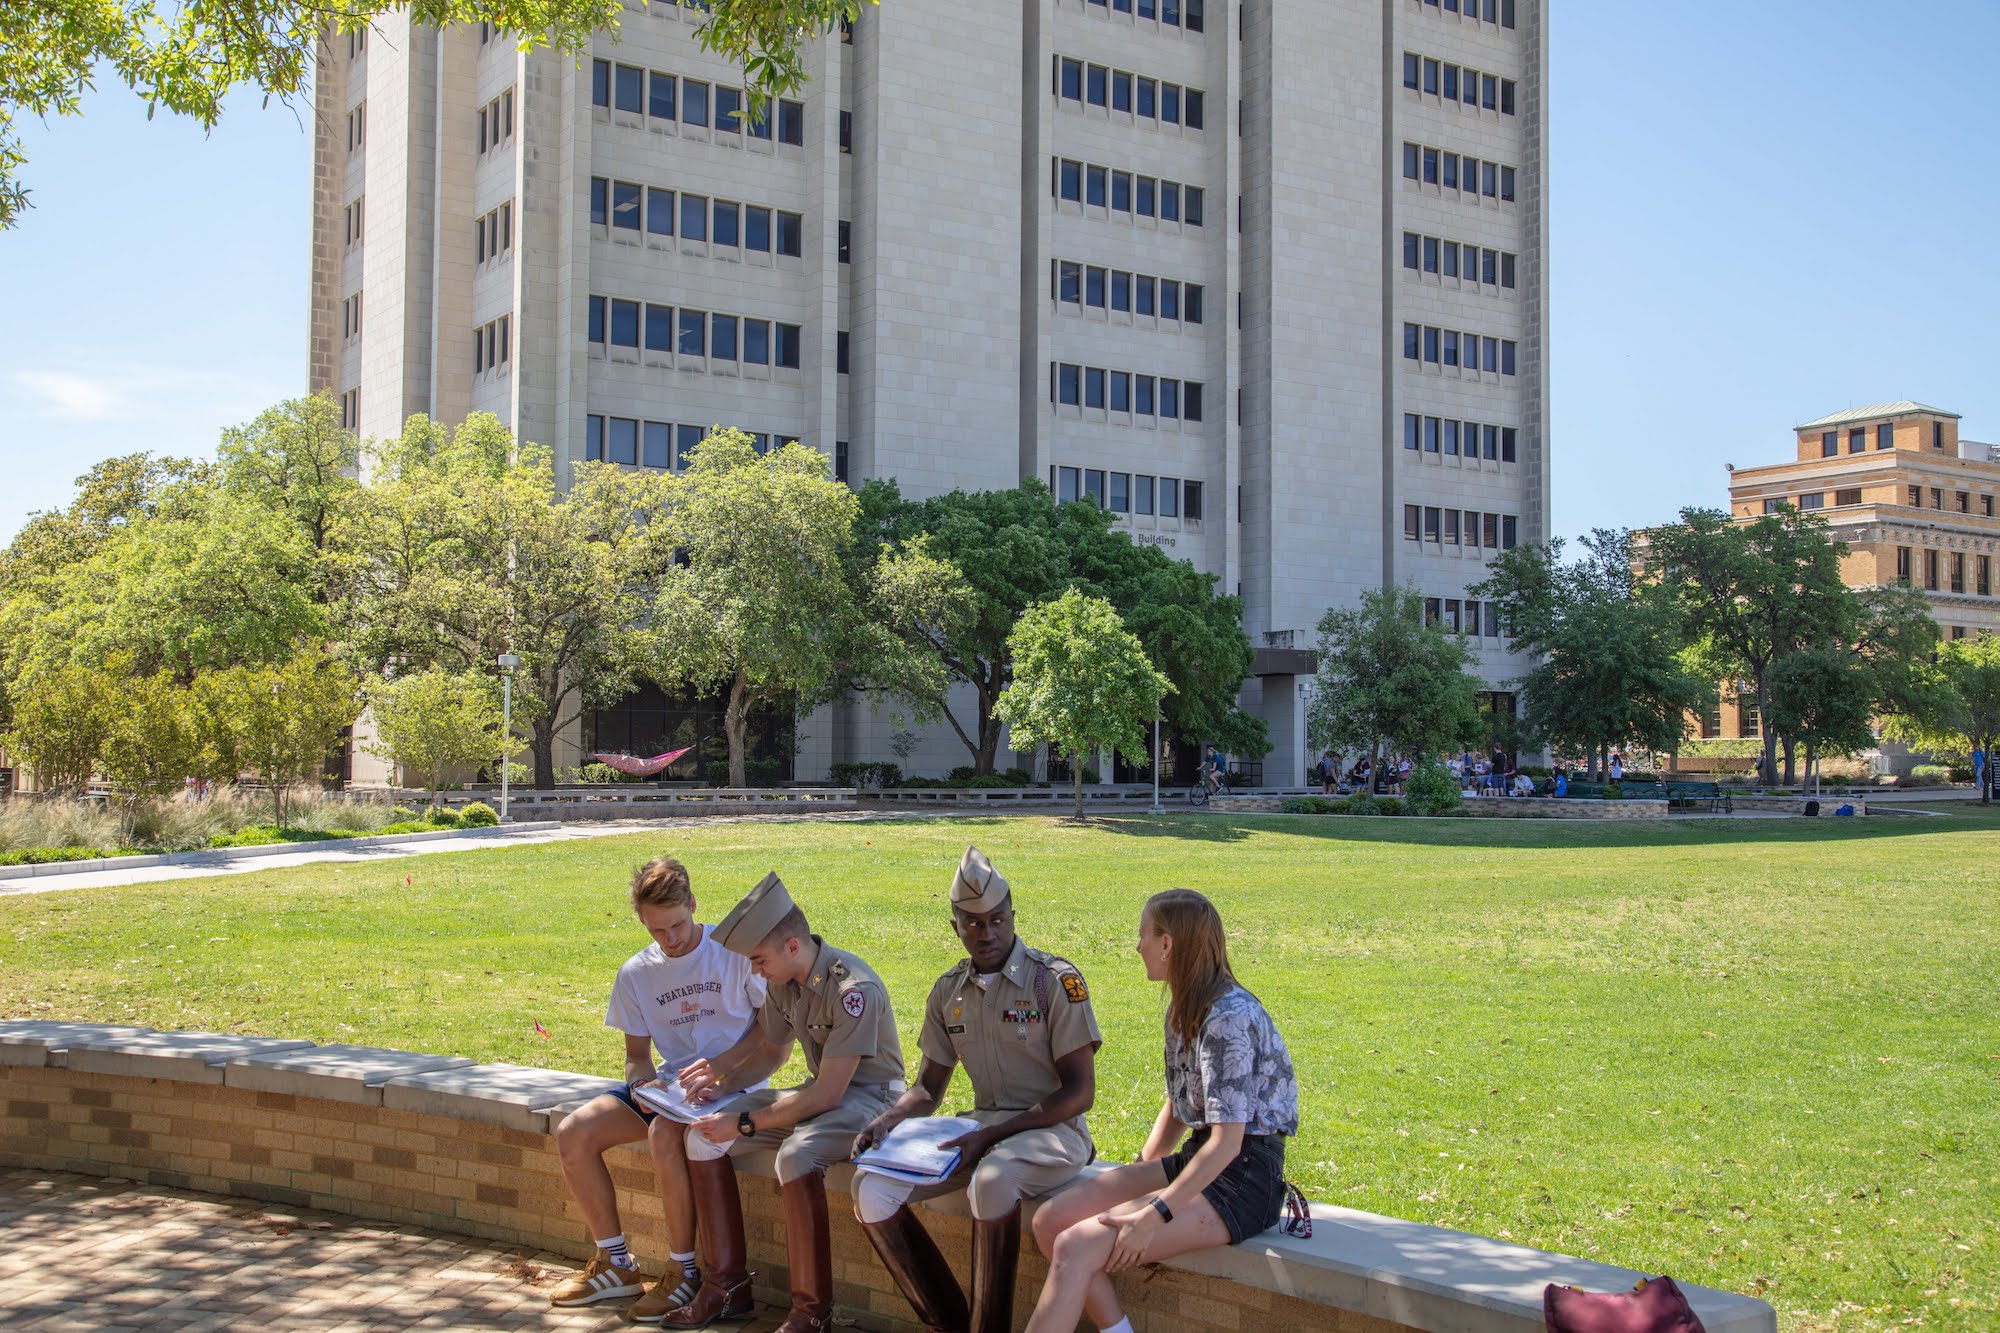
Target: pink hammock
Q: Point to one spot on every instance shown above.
(642, 768)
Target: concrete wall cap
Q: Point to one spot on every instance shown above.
(338, 1073)
(186, 1057)
(37, 1043)
(512, 1096)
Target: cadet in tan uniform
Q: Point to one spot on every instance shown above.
(1020, 1022)
(834, 1005)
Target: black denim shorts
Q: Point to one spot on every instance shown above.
(1249, 1195)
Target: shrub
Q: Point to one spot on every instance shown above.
(763, 772)
(1365, 804)
(443, 816)
(866, 775)
(963, 773)
(1431, 790)
(1537, 770)
(593, 774)
(923, 784)
(1307, 805)
(250, 835)
(988, 782)
(1613, 792)
(1390, 805)
(1961, 774)
(478, 814)
(1019, 777)
(42, 856)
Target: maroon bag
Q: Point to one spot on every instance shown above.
(1654, 1306)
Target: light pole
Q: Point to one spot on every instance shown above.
(1157, 809)
(508, 662)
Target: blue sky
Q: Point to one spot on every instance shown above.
(1761, 213)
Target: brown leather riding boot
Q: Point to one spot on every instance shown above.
(996, 1254)
(725, 1275)
(811, 1259)
(921, 1273)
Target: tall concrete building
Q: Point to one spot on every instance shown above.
(1268, 280)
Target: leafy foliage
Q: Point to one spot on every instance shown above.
(1386, 677)
(1082, 683)
(435, 720)
(1953, 707)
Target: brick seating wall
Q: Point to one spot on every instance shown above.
(442, 1143)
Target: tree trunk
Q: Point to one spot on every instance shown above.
(1791, 761)
(1767, 767)
(986, 755)
(1076, 779)
(736, 727)
(542, 743)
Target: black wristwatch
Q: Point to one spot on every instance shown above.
(745, 1126)
(1160, 1207)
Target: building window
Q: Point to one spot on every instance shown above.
(1937, 497)
(1916, 497)
(846, 242)
(1851, 496)
(1829, 444)
(1711, 722)
(1937, 435)
(1983, 570)
(792, 123)
(628, 89)
(1903, 565)
(357, 126)
(1958, 571)
(1857, 440)
(1885, 436)
(1813, 500)
(1749, 718)
(1931, 570)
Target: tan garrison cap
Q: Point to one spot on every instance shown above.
(977, 887)
(755, 917)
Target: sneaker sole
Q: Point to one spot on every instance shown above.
(609, 1294)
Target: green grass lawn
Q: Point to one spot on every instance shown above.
(1759, 1055)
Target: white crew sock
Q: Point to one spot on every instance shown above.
(615, 1250)
(1122, 1326)
(686, 1261)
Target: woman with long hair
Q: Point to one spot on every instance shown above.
(1230, 1091)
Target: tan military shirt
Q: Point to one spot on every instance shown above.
(1009, 1034)
(842, 1009)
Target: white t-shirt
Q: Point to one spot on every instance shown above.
(694, 1007)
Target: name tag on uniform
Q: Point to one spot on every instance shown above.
(956, 1029)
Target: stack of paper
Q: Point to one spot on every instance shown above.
(671, 1101)
(915, 1151)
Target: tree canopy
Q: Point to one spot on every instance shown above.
(1607, 672)
(1081, 682)
(1017, 549)
(1953, 706)
(1385, 677)
(186, 58)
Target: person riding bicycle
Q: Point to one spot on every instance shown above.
(1214, 771)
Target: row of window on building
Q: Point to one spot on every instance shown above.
(1126, 192)
(614, 322)
(1453, 527)
(650, 210)
(1449, 347)
(1142, 294)
(1954, 580)
(1465, 439)
(1497, 12)
(493, 235)
(1185, 14)
(670, 99)
(1125, 392)
(496, 122)
(1470, 618)
(1455, 259)
(665, 445)
(1461, 86)
(350, 317)
(1857, 439)
(350, 223)
(1458, 171)
(1135, 95)
(492, 345)
(357, 125)
(1916, 497)
(1128, 492)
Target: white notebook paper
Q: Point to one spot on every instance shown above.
(671, 1101)
(914, 1149)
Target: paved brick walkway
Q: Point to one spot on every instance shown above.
(110, 1255)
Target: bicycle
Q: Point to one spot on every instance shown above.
(1206, 785)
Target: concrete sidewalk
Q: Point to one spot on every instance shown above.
(111, 1255)
(484, 840)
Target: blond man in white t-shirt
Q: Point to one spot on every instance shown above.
(687, 998)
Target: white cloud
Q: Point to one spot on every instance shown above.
(65, 396)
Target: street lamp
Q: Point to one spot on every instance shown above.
(1157, 809)
(507, 662)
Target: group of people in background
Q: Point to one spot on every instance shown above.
(1498, 774)
(714, 1012)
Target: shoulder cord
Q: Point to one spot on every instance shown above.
(1298, 1214)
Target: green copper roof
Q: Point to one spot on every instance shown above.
(1904, 408)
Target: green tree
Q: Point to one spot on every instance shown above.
(186, 58)
(1385, 677)
(435, 720)
(1018, 548)
(62, 717)
(471, 552)
(296, 459)
(1823, 699)
(282, 720)
(1608, 672)
(157, 739)
(769, 600)
(1954, 705)
(1081, 683)
(1748, 593)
